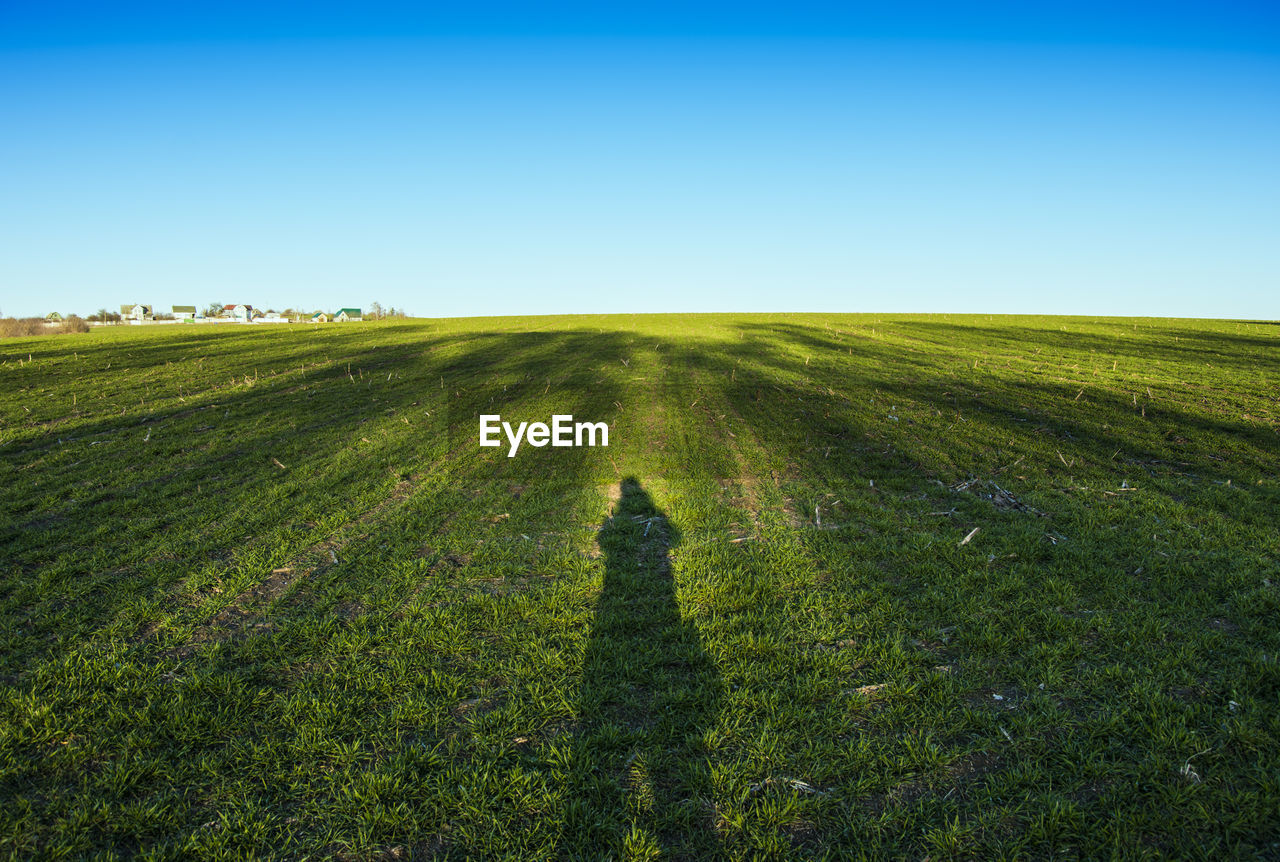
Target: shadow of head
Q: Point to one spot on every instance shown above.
(636, 521)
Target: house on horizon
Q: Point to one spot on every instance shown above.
(184, 312)
(136, 313)
(345, 315)
(53, 316)
(239, 312)
(319, 317)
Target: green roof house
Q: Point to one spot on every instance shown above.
(348, 314)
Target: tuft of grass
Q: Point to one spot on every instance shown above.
(262, 593)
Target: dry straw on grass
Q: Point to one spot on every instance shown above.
(20, 327)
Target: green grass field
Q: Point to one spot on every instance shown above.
(262, 593)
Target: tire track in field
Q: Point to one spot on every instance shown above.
(770, 513)
(245, 614)
(763, 600)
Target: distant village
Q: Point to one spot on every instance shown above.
(138, 313)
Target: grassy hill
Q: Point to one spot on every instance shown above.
(840, 584)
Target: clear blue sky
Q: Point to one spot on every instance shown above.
(1062, 158)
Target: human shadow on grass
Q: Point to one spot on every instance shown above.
(641, 778)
